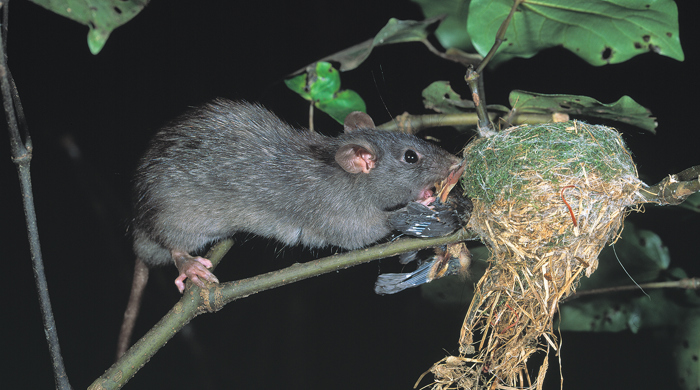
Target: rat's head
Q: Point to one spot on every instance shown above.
(396, 168)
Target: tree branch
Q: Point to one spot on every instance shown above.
(196, 301)
(414, 123)
(674, 189)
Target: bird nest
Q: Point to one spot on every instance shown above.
(547, 199)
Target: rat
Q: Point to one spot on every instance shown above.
(233, 166)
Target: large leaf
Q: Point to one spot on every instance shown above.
(625, 110)
(687, 350)
(440, 96)
(611, 314)
(452, 32)
(102, 16)
(644, 256)
(599, 31)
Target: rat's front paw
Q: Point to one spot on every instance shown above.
(194, 268)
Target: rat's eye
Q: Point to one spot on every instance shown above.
(410, 156)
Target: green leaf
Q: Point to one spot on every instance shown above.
(395, 31)
(342, 104)
(625, 110)
(324, 83)
(102, 16)
(322, 87)
(440, 96)
(641, 252)
(398, 31)
(298, 85)
(692, 203)
(96, 39)
(610, 314)
(320, 84)
(644, 256)
(687, 350)
(599, 31)
(452, 32)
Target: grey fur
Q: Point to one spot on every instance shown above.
(232, 167)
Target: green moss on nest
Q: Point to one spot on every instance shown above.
(547, 199)
(505, 163)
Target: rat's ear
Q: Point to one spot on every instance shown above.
(358, 120)
(354, 158)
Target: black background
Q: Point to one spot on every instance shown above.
(327, 332)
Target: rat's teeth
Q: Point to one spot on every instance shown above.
(425, 194)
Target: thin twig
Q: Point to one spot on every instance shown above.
(22, 156)
(500, 37)
(674, 189)
(687, 283)
(474, 77)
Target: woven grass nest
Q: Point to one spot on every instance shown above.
(547, 199)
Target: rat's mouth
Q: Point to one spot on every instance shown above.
(442, 188)
(426, 196)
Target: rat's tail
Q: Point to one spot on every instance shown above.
(132, 308)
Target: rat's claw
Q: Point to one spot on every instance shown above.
(194, 268)
(427, 201)
(204, 262)
(180, 283)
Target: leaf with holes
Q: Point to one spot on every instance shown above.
(102, 16)
(440, 96)
(599, 31)
(646, 258)
(641, 252)
(615, 314)
(322, 86)
(625, 110)
(342, 103)
(687, 350)
(395, 31)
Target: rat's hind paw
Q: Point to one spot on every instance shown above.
(194, 268)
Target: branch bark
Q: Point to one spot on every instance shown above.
(196, 301)
(674, 189)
